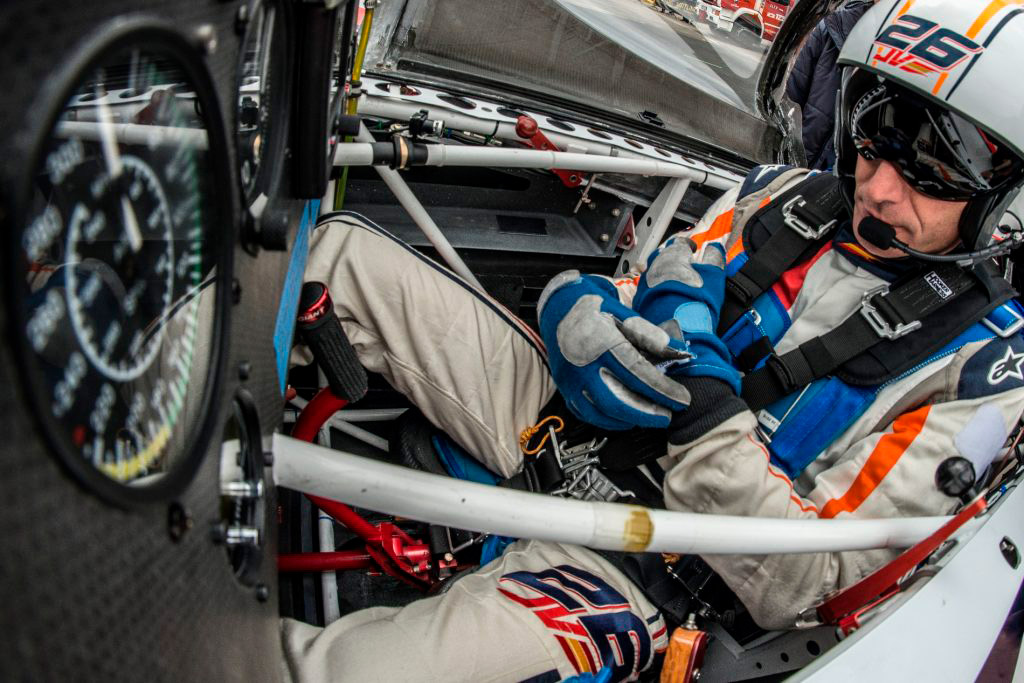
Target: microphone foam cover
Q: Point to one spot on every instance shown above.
(879, 233)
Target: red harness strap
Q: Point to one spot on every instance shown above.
(884, 580)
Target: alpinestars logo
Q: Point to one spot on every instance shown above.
(922, 47)
(1007, 366)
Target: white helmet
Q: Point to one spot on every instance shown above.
(934, 89)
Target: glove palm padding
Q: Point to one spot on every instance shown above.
(601, 352)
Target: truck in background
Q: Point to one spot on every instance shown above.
(751, 21)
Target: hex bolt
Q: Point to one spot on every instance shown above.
(206, 39)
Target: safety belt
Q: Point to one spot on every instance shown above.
(807, 214)
(790, 230)
(885, 314)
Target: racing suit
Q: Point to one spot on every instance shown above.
(546, 611)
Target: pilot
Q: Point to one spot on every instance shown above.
(801, 363)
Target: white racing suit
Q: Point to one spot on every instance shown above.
(546, 611)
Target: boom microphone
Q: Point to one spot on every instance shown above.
(882, 235)
(879, 233)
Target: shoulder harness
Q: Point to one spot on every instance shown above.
(897, 327)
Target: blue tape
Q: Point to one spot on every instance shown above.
(284, 328)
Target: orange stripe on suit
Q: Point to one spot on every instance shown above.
(889, 449)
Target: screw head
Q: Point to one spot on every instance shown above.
(616, 212)
(262, 592)
(244, 370)
(605, 237)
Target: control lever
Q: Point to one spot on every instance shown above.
(320, 329)
(956, 478)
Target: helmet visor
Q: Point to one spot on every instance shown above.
(939, 153)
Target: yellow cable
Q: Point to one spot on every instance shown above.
(357, 67)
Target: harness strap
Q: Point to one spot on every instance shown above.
(884, 314)
(885, 580)
(807, 213)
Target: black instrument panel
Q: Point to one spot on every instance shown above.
(141, 324)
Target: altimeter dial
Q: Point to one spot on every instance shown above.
(119, 264)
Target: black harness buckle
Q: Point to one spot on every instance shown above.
(882, 327)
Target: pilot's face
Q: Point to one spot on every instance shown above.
(923, 223)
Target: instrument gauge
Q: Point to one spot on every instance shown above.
(261, 98)
(117, 262)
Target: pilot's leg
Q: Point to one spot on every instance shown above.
(542, 612)
(475, 371)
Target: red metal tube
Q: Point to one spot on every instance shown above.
(310, 420)
(316, 413)
(325, 562)
(347, 516)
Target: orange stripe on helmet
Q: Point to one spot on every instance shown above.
(986, 16)
(889, 449)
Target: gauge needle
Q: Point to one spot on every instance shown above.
(112, 157)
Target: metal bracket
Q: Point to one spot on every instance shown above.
(650, 230)
(798, 225)
(1015, 325)
(879, 324)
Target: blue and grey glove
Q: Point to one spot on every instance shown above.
(684, 296)
(603, 355)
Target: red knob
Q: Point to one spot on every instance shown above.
(526, 127)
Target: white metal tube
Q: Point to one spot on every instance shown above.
(348, 428)
(466, 505)
(391, 109)
(352, 154)
(136, 134)
(328, 579)
(420, 216)
(367, 415)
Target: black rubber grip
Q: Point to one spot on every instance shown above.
(321, 330)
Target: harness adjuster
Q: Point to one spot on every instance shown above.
(798, 224)
(1013, 325)
(882, 327)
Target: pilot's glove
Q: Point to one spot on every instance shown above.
(603, 355)
(683, 295)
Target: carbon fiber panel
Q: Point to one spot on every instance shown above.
(90, 591)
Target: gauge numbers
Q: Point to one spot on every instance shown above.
(119, 266)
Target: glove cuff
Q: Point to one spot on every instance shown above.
(712, 402)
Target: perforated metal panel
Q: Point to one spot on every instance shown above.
(89, 591)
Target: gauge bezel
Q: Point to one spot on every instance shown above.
(315, 115)
(269, 176)
(153, 36)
